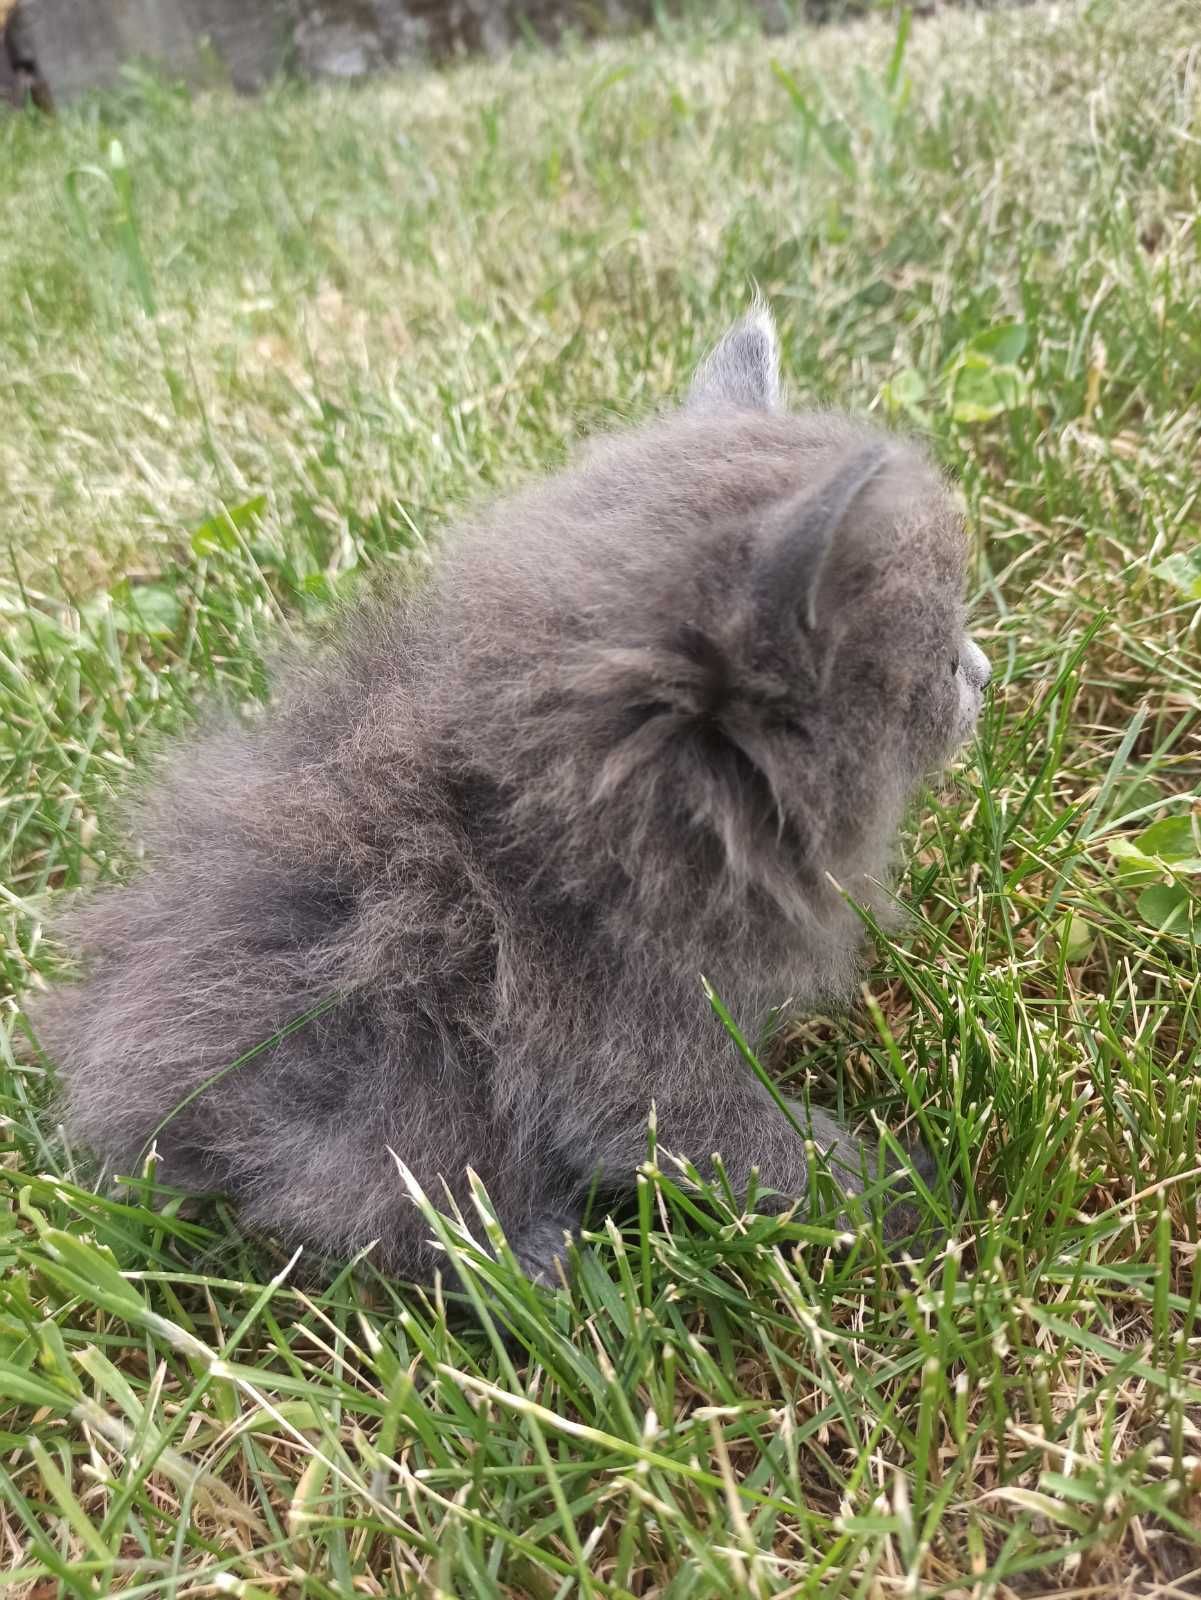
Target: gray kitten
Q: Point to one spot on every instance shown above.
(629, 732)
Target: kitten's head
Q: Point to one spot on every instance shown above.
(718, 656)
(870, 540)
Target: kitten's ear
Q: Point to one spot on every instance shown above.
(744, 370)
(799, 536)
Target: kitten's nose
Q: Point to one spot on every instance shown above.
(976, 663)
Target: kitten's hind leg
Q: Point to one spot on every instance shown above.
(540, 1246)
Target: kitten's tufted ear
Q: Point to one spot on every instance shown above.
(744, 369)
(799, 536)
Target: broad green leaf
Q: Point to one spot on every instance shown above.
(1134, 793)
(1004, 345)
(1183, 571)
(981, 389)
(220, 531)
(1075, 937)
(1165, 906)
(904, 392)
(1132, 865)
(1175, 839)
(151, 609)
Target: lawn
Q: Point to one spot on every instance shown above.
(254, 354)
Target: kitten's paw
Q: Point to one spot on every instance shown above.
(909, 1227)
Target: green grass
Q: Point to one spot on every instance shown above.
(253, 351)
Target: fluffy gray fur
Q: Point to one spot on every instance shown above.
(628, 733)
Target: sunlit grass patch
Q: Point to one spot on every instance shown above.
(253, 355)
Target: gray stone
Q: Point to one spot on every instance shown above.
(83, 44)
